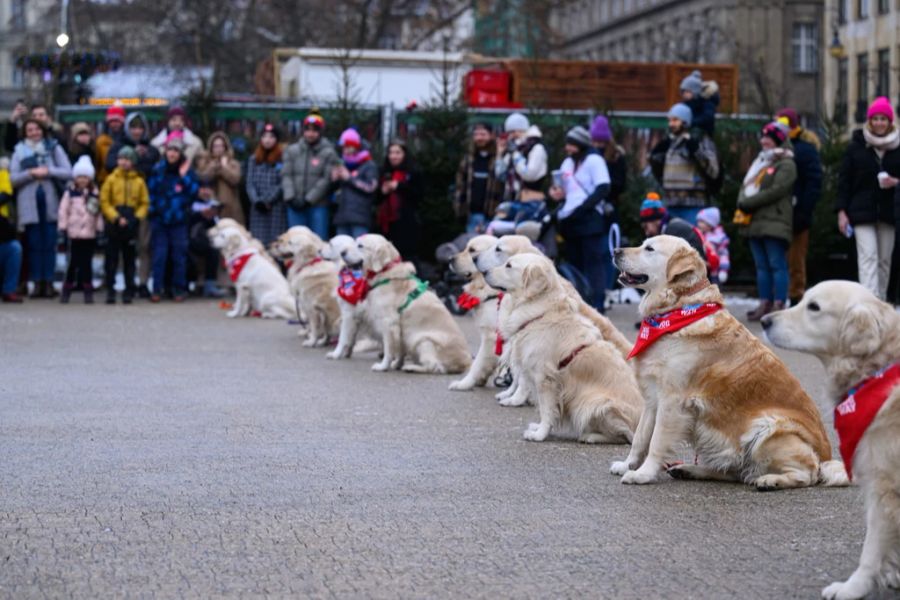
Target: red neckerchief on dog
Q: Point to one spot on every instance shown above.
(498, 345)
(352, 286)
(657, 326)
(467, 301)
(854, 415)
(237, 264)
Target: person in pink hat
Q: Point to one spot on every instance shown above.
(867, 180)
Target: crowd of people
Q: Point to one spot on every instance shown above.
(152, 199)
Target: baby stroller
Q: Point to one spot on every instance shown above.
(449, 285)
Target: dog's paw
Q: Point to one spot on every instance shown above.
(503, 395)
(308, 343)
(536, 433)
(620, 467)
(638, 477)
(380, 367)
(514, 401)
(843, 590)
(461, 386)
(333, 355)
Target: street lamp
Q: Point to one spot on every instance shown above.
(62, 40)
(836, 49)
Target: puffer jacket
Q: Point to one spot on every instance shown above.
(356, 196)
(224, 178)
(771, 208)
(858, 191)
(808, 188)
(171, 194)
(306, 176)
(60, 171)
(124, 188)
(148, 155)
(79, 213)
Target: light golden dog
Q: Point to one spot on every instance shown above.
(856, 335)
(417, 330)
(580, 381)
(313, 281)
(714, 385)
(355, 334)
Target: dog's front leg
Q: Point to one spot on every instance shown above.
(315, 328)
(547, 408)
(671, 427)
(640, 445)
(482, 366)
(391, 346)
(346, 338)
(241, 302)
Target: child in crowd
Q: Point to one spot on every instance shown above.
(709, 222)
(80, 218)
(355, 181)
(124, 202)
(703, 99)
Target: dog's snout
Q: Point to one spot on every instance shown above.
(767, 321)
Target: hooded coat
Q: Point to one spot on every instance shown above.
(148, 155)
(224, 176)
(771, 206)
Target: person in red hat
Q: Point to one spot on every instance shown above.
(306, 177)
(115, 130)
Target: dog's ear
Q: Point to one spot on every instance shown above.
(861, 330)
(682, 265)
(534, 280)
(383, 254)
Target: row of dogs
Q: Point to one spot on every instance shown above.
(710, 384)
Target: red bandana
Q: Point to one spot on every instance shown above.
(467, 301)
(854, 415)
(657, 326)
(352, 286)
(498, 345)
(236, 265)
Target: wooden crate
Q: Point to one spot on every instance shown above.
(612, 85)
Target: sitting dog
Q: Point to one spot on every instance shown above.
(350, 295)
(312, 281)
(258, 282)
(857, 338)
(708, 381)
(580, 380)
(417, 330)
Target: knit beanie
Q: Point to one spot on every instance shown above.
(776, 131)
(579, 136)
(128, 152)
(79, 128)
(175, 140)
(682, 112)
(710, 215)
(350, 139)
(652, 209)
(790, 115)
(600, 131)
(270, 128)
(881, 106)
(83, 167)
(314, 119)
(692, 83)
(176, 111)
(116, 112)
(516, 122)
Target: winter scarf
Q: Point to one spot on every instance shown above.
(271, 157)
(352, 162)
(881, 144)
(389, 211)
(761, 165)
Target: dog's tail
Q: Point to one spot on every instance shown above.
(833, 473)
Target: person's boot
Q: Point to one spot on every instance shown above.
(778, 305)
(211, 290)
(66, 293)
(11, 298)
(39, 291)
(88, 293)
(764, 308)
(143, 292)
(127, 296)
(110, 296)
(50, 291)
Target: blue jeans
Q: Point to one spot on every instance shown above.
(10, 265)
(770, 256)
(687, 213)
(477, 223)
(353, 231)
(314, 217)
(41, 240)
(590, 255)
(169, 241)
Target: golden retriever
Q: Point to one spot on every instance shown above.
(856, 335)
(353, 318)
(313, 281)
(259, 286)
(714, 385)
(417, 330)
(579, 380)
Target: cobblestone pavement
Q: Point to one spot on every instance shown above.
(166, 451)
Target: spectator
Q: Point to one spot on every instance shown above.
(176, 122)
(14, 124)
(684, 165)
(709, 222)
(478, 191)
(264, 169)
(613, 154)
(766, 196)
(865, 196)
(80, 219)
(355, 180)
(807, 191)
(583, 217)
(173, 188)
(136, 137)
(205, 214)
(656, 220)
(10, 262)
(521, 160)
(702, 97)
(218, 166)
(306, 177)
(81, 143)
(399, 194)
(7, 197)
(115, 133)
(52, 131)
(39, 167)
(125, 202)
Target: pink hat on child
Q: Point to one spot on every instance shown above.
(881, 106)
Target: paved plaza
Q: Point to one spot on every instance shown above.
(167, 451)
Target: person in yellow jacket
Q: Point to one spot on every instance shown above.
(124, 202)
(6, 189)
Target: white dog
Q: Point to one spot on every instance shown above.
(857, 338)
(580, 381)
(350, 295)
(259, 284)
(417, 330)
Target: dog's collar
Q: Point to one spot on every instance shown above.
(314, 261)
(697, 287)
(859, 408)
(526, 324)
(570, 357)
(393, 263)
(421, 288)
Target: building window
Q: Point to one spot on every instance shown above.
(862, 87)
(805, 47)
(842, 11)
(884, 73)
(862, 9)
(843, 86)
(17, 17)
(884, 7)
